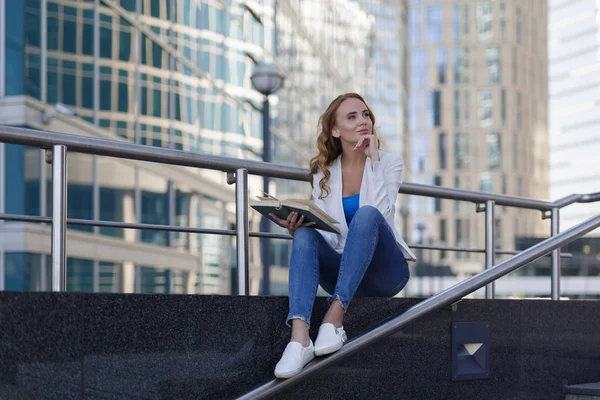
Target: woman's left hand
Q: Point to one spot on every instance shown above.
(368, 144)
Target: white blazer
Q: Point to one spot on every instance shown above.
(379, 188)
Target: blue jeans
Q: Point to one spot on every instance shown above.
(372, 264)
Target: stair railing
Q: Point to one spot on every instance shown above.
(57, 145)
(445, 298)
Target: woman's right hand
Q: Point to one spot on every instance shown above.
(292, 223)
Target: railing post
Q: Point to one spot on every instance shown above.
(242, 229)
(555, 278)
(490, 245)
(59, 218)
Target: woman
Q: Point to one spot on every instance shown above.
(356, 184)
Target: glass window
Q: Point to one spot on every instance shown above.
(492, 55)
(109, 277)
(466, 20)
(418, 70)
(435, 109)
(485, 182)
(503, 106)
(24, 272)
(69, 83)
(503, 21)
(519, 110)
(155, 206)
(456, 22)
(157, 103)
(69, 32)
(144, 50)
(457, 108)
(124, 46)
(443, 237)
(494, 150)
(33, 75)
(461, 150)
(514, 65)
(80, 197)
(123, 97)
(484, 21)
(105, 94)
(415, 25)
(144, 100)
(32, 24)
(15, 46)
(485, 107)
(116, 182)
(156, 55)
(461, 65)
(434, 23)
(80, 275)
(128, 5)
(457, 186)
(498, 233)
(152, 280)
(155, 8)
(87, 90)
(441, 64)
(437, 203)
(442, 150)
(22, 165)
(87, 40)
(52, 31)
(467, 107)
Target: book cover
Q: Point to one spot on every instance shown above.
(282, 209)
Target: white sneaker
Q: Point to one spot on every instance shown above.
(294, 358)
(330, 339)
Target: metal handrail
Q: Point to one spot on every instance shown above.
(60, 143)
(445, 298)
(212, 231)
(128, 150)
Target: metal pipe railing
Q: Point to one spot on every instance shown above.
(447, 297)
(241, 211)
(59, 218)
(127, 150)
(225, 232)
(490, 245)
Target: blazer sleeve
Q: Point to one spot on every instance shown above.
(329, 237)
(387, 178)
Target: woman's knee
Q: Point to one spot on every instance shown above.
(367, 213)
(304, 237)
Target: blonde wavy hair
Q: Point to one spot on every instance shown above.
(329, 147)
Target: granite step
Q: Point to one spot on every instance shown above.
(586, 391)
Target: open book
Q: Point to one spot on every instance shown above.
(282, 208)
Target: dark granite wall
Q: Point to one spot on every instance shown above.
(91, 346)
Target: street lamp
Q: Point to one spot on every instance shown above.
(266, 79)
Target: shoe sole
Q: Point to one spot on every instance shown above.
(294, 372)
(328, 350)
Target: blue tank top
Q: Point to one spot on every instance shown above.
(351, 204)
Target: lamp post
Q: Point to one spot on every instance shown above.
(266, 79)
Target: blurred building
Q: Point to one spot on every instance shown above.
(109, 62)
(574, 98)
(477, 118)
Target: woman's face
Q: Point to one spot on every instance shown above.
(352, 121)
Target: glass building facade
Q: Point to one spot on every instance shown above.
(574, 62)
(174, 74)
(477, 119)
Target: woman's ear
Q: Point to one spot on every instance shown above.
(335, 132)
